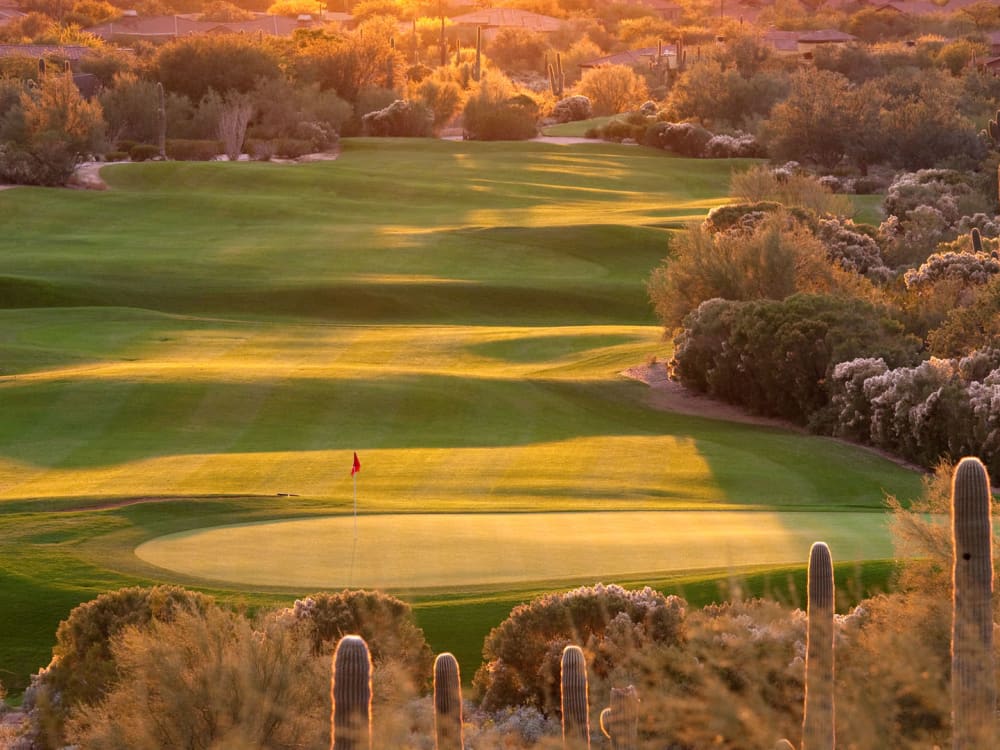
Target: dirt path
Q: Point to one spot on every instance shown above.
(669, 395)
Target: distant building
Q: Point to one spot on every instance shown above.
(69, 52)
(492, 20)
(921, 7)
(167, 27)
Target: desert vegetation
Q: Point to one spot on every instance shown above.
(185, 356)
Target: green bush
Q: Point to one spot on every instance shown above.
(116, 156)
(193, 150)
(143, 152)
(292, 148)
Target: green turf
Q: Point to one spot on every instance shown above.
(458, 313)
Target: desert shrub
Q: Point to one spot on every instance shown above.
(739, 145)
(259, 150)
(496, 112)
(523, 652)
(968, 269)
(774, 257)
(384, 621)
(192, 150)
(441, 94)
(195, 65)
(682, 138)
(116, 156)
(83, 667)
(130, 109)
(618, 130)
(401, 118)
(738, 215)
(612, 89)
(143, 152)
(974, 325)
(789, 186)
(210, 680)
(292, 148)
(851, 249)
(951, 192)
(572, 109)
(776, 357)
(939, 409)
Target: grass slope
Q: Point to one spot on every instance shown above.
(220, 334)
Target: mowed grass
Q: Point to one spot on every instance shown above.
(224, 336)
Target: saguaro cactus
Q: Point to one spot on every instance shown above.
(977, 241)
(973, 681)
(817, 722)
(447, 704)
(620, 721)
(575, 713)
(477, 72)
(351, 691)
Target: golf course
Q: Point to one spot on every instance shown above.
(190, 359)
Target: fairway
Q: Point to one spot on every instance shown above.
(222, 337)
(464, 550)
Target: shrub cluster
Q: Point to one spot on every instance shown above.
(775, 357)
(941, 408)
(400, 119)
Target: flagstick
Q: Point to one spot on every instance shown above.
(354, 476)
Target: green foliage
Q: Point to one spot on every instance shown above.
(346, 64)
(194, 65)
(776, 357)
(131, 109)
(720, 96)
(683, 138)
(193, 150)
(400, 119)
(143, 152)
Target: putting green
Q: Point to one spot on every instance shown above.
(459, 550)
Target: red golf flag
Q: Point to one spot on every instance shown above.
(357, 465)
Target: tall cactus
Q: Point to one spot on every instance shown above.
(477, 72)
(447, 704)
(161, 120)
(443, 44)
(817, 722)
(973, 681)
(620, 721)
(575, 713)
(977, 241)
(351, 692)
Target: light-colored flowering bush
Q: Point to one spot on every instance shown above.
(852, 249)
(572, 108)
(942, 408)
(738, 145)
(969, 269)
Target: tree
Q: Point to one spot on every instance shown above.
(194, 65)
(822, 120)
(518, 49)
(54, 128)
(612, 89)
(130, 109)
